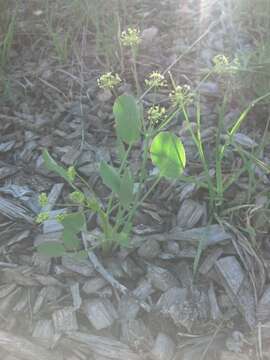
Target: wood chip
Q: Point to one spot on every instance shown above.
(83, 267)
(100, 312)
(163, 349)
(14, 211)
(93, 285)
(161, 278)
(43, 329)
(209, 235)
(238, 287)
(25, 349)
(104, 346)
(65, 320)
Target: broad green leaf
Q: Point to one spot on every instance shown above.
(71, 240)
(126, 188)
(74, 222)
(168, 154)
(52, 165)
(110, 177)
(51, 249)
(128, 118)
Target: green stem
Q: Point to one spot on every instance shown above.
(139, 203)
(123, 163)
(135, 73)
(198, 143)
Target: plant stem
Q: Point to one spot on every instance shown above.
(139, 202)
(123, 163)
(135, 73)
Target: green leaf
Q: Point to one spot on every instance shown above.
(73, 222)
(128, 118)
(110, 177)
(52, 165)
(51, 249)
(126, 188)
(71, 240)
(168, 154)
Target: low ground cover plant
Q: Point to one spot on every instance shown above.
(136, 126)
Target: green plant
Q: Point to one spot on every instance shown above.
(115, 219)
(7, 32)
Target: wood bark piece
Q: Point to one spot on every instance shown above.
(105, 346)
(137, 335)
(100, 312)
(210, 235)
(238, 287)
(24, 349)
(65, 320)
(161, 278)
(14, 211)
(164, 348)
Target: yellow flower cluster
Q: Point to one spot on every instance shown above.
(156, 80)
(131, 37)
(156, 114)
(108, 81)
(181, 96)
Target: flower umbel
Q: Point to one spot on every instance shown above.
(131, 37)
(60, 217)
(77, 197)
(156, 80)
(108, 81)
(181, 96)
(43, 199)
(222, 65)
(42, 217)
(156, 114)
